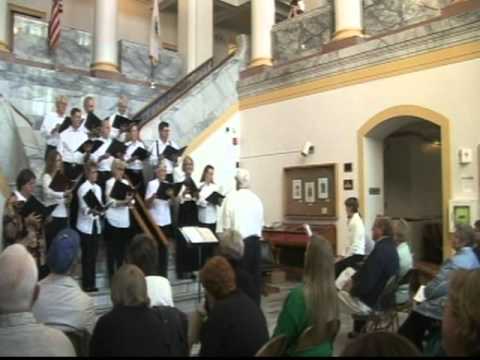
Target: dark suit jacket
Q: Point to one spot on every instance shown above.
(379, 267)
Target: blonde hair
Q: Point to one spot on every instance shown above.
(231, 245)
(18, 280)
(401, 231)
(319, 279)
(117, 163)
(187, 159)
(464, 293)
(61, 99)
(129, 287)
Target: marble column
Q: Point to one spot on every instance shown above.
(105, 37)
(4, 26)
(195, 32)
(348, 19)
(263, 19)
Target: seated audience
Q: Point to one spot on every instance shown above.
(61, 303)
(131, 329)
(428, 314)
(381, 344)
(235, 325)
(355, 253)
(400, 235)
(231, 247)
(461, 318)
(312, 304)
(143, 253)
(20, 333)
(361, 293)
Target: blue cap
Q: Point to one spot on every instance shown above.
(63, 251)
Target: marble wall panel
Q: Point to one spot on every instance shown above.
(382, 16)
(135, 64)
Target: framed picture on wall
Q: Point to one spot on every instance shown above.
(348, 185)
(297, 193)
(323, 191)
(310, 192)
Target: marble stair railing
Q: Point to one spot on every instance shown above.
(204, 102)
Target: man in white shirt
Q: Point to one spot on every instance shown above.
(120, 134)
(157, 148)
(89, 106)
(243, 213)
(90, 227)
(51, 124)
(103, 159)
(355, 253)
(69, 144)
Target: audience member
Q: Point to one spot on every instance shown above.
(131, 329)
(476, 248)
(143, 253)
(381, 344)
(400, 235)
(59, 200)
(231, 247)
(361, 293)
(428, 314)
(20, 333)
(61, 303)
(117, 224)
(243, 213)
(159, 207)
(89, 225)
(461, 319)
(355, 253)
(312, 304)
(50, 128)
(235, 326)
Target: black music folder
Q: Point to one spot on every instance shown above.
(60, 183)
(92, 122)
(215, 198)
(164, 189)
(172, 154)
(92, 202)
(65, 124)
(120, 191)
(96, 144)
(141, 154)
(190, 184)
(34, 206)
(117, 149)
(121, 122)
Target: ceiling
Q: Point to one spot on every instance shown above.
(233, 15)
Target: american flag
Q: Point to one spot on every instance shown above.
(54, 29)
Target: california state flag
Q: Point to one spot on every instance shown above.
(155, 38)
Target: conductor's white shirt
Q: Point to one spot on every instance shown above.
(356, 236)
(242, 212)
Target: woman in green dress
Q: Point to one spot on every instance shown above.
(314, 303)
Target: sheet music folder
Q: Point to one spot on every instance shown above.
(198, 235)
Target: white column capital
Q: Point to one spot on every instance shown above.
(263, 19)
(4, 26)
(348, 19)
(106, 42)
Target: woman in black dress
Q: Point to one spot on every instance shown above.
(187, 259)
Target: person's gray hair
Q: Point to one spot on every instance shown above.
(243, 178)
(401, 230)
(231, 245)
(466, 234)
(18, 279)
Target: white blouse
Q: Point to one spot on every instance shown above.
(51, 198)
(85, 219)
(117, 216)
(131, 148)
(160, 210)
(207, 212)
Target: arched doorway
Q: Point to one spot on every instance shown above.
(372, 140)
